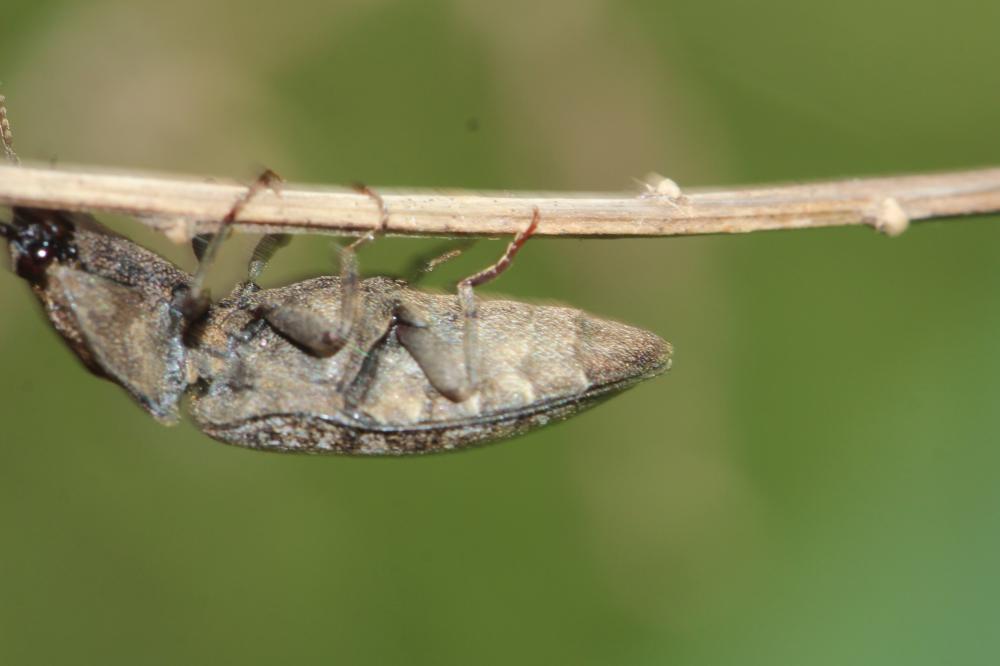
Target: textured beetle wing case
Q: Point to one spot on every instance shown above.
(537, 364)
(131, 337)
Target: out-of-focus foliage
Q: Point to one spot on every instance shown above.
(816, 481)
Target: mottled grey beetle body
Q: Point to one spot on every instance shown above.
(384, 391)
(261, 373)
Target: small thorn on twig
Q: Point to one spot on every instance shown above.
(889, 218)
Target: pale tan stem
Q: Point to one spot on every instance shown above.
(182, 206)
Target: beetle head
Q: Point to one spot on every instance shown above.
(39, 237)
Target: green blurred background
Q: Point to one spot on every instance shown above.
(814, 483)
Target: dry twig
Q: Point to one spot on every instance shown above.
(182, 206)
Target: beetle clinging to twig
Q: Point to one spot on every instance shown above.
(331, 364)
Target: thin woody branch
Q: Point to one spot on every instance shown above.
(182, 206)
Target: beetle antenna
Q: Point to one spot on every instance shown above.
(6, 136)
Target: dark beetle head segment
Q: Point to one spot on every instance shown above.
(39, 237)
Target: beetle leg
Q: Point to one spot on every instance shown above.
(349, 274)
(311, 330)
(305, 328)
(433, 348)
(467, 299)
(320, 336)
(251, 329)
(266, 247)
(195, 301)
(426, 263)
